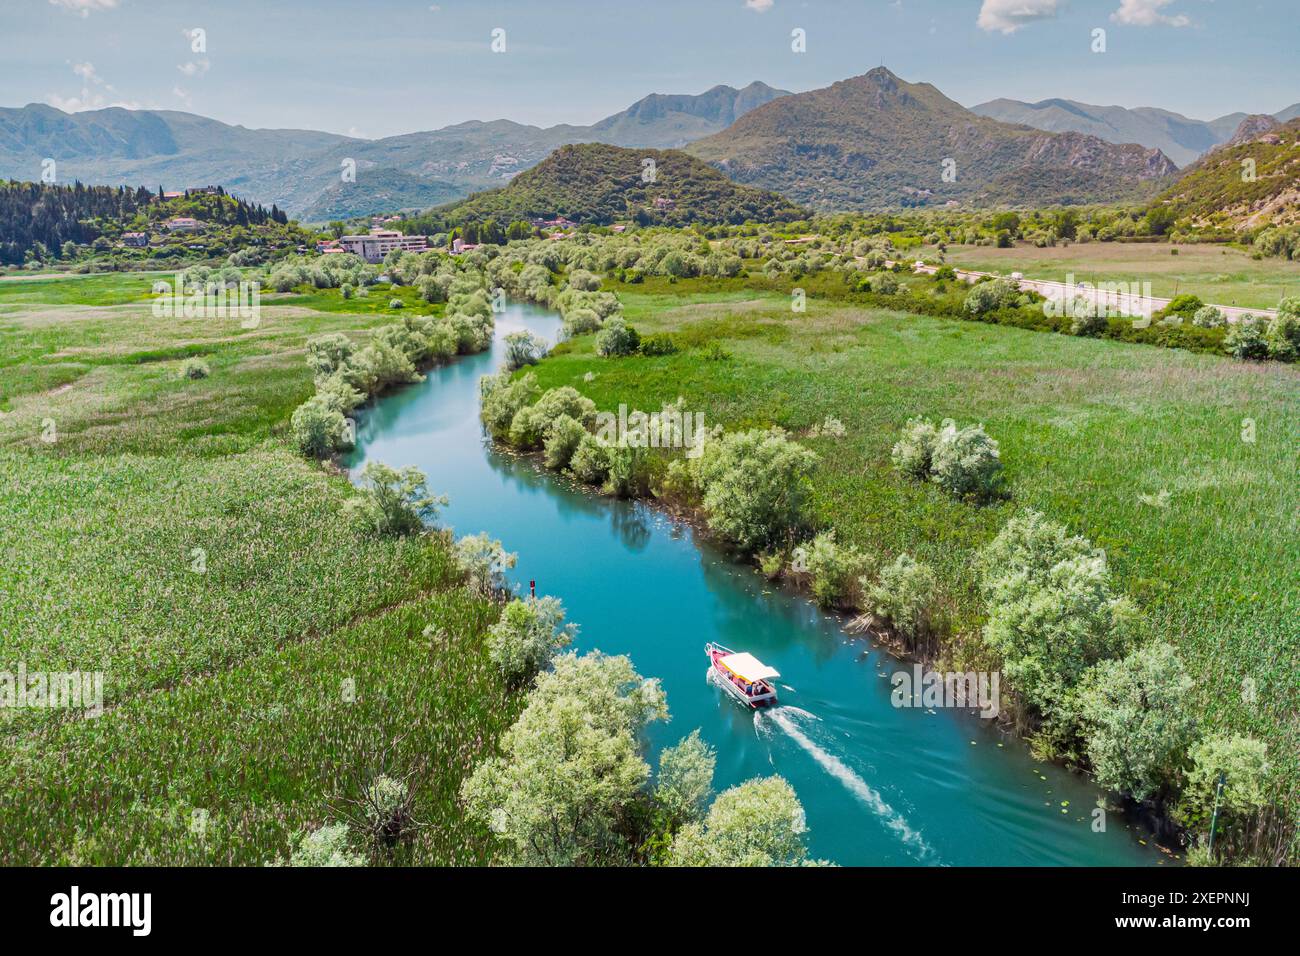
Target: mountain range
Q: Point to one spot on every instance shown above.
(301, 171)
(869, 142)
(1180, 138)
(875, 141)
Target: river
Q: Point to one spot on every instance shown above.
(881, 785)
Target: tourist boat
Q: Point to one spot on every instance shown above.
(743, 676)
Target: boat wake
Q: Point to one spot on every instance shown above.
(784, 718)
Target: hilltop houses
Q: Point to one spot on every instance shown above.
(377, 243)
(182, 224)
(135, 240)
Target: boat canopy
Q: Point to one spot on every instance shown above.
(748, 667)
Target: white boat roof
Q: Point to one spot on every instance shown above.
(748, 667)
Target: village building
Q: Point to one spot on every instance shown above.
(380, 242)
(135, 239)
(182, 224)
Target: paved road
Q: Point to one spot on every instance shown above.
(1123, 302)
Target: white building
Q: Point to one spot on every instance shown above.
(380, 242)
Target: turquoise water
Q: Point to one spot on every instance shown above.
(881, 785)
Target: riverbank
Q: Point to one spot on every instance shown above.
(1134, 450)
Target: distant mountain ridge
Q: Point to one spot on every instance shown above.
(300, 170)
(876, 142)
(1180, 138)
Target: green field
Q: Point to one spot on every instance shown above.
(1218, 274)
(1140, 449)
(170, 538)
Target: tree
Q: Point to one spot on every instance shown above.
(759, 823)
(527, 635)
(903, 595)
(755, 486)
(685, 780)
(523, 348)
(392, 502)
(571, 765)
(965, 462)
(1052, 613)
(1242, 762)
(1136, 724)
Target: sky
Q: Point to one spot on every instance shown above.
(380, 67)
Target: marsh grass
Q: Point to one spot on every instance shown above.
(1090, 432)
(170, 538)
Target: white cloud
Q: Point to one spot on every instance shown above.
(759, 6)
(1146, 13)
(183, 96)
(1008, 16)
(90, 97)
(85, 7)
(193, 68)
(87, 72)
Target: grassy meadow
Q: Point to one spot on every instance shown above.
(262, 662)
(1182, 466)
(1222, 275)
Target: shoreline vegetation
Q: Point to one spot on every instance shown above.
(1103, 693)
(1068, 687)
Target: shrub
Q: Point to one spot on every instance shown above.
(392, 502)
(617, 338)
(338, 394)
(590, 461)
(1282, 337)
(1051, 611)
(325, 846)
(629, 471)
(326, 354)
(386, 811)
(685, 780)
(1136, 725)
(318, 428)
(1243, 763)
(966, 463)
(396, 303)
(523, 348)
(527, 636)
(583, 280)
(914, 451)
(1208, 317)
(660, 344)
(501, 398)
(834, 570)
(484, 561)
(563, 436)
(985, 297)
(1185, 305)
(194, 368)
(581, 321)
(1245, 341)
(903, 595)
(758, 823)
(755, 485)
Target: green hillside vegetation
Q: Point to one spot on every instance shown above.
(1217, 197)
(598, 184)
(875, 141)
(67, 225)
